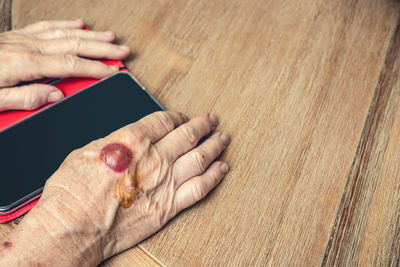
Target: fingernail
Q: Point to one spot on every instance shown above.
(213, 119)
(124, 48)
(225, 139)
(224, 167)
(55, 96)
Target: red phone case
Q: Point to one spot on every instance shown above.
(68, 86)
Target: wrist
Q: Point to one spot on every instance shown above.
(44, 238)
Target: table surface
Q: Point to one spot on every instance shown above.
(308, 91)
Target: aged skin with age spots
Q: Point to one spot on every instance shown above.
(118, 157)
(150, 166)
(116, 191)
(7, 245)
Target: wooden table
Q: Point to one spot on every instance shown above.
(309, 92)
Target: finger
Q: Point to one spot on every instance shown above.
(186, 136)
(52, 24)
(82, 47)
(198, 187)
(28, 97)
(62, 66)
(65, 33)
(197, 161)
(159, 124)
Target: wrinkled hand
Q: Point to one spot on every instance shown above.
(53, 49)
(116, 191)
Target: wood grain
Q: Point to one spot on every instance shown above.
(368, 229)
(132, 257)
(5, 15)
(291, 82)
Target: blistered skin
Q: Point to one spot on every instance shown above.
(116, 156)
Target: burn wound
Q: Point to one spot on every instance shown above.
(127, 188)
(118, 157)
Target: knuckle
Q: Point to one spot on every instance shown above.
(218, 145)
(132, 134)
(166, 121)
(44, 24)
(138, 136)
(30, 100)
(71, 61)
(216, 176)
(200, 160)
(198, 191)
(60, 33)
(190, 134)
(74, 42)
(157, 120)
(38, 46)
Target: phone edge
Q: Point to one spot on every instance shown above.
(5, 210)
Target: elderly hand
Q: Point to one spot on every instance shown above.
(116, 191)
(53, 49)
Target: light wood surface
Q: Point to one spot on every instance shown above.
(292, 83)
(132, 257)
(368, 229)
(5, 15)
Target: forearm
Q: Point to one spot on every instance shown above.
(49, 243)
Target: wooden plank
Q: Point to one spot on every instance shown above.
(5, 15)
(290, 81)
(132, 257)
(368, 229)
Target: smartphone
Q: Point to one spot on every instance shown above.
(33, 149)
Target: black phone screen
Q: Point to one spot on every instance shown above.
(33, 149)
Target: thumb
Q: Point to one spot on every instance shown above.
(28, 97)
